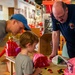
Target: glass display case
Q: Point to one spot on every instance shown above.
(47, 23)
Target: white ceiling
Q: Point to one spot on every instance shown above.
(7, 3)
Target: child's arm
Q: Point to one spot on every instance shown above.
(37, 71)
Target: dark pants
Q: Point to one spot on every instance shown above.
(70, 50)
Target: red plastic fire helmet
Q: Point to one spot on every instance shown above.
(40, 61)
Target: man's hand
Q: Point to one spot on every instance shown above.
(52, 55)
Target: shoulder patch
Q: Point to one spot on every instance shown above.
(72, 26)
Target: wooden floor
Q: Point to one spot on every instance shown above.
(3, 67)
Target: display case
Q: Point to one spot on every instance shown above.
(47, 23)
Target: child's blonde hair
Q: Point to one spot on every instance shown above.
(28, 37)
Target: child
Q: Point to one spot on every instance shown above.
(23, 63)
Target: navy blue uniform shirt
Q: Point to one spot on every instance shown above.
(67, 31)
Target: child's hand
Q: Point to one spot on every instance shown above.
(38, 70)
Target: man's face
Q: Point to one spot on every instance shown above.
(17, 27)
(61, 15)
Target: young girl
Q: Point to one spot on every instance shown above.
(23, 63)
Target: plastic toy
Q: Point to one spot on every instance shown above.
(40, 60)
(11, 48)
(66, 71)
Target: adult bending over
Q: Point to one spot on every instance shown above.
(63, 20)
